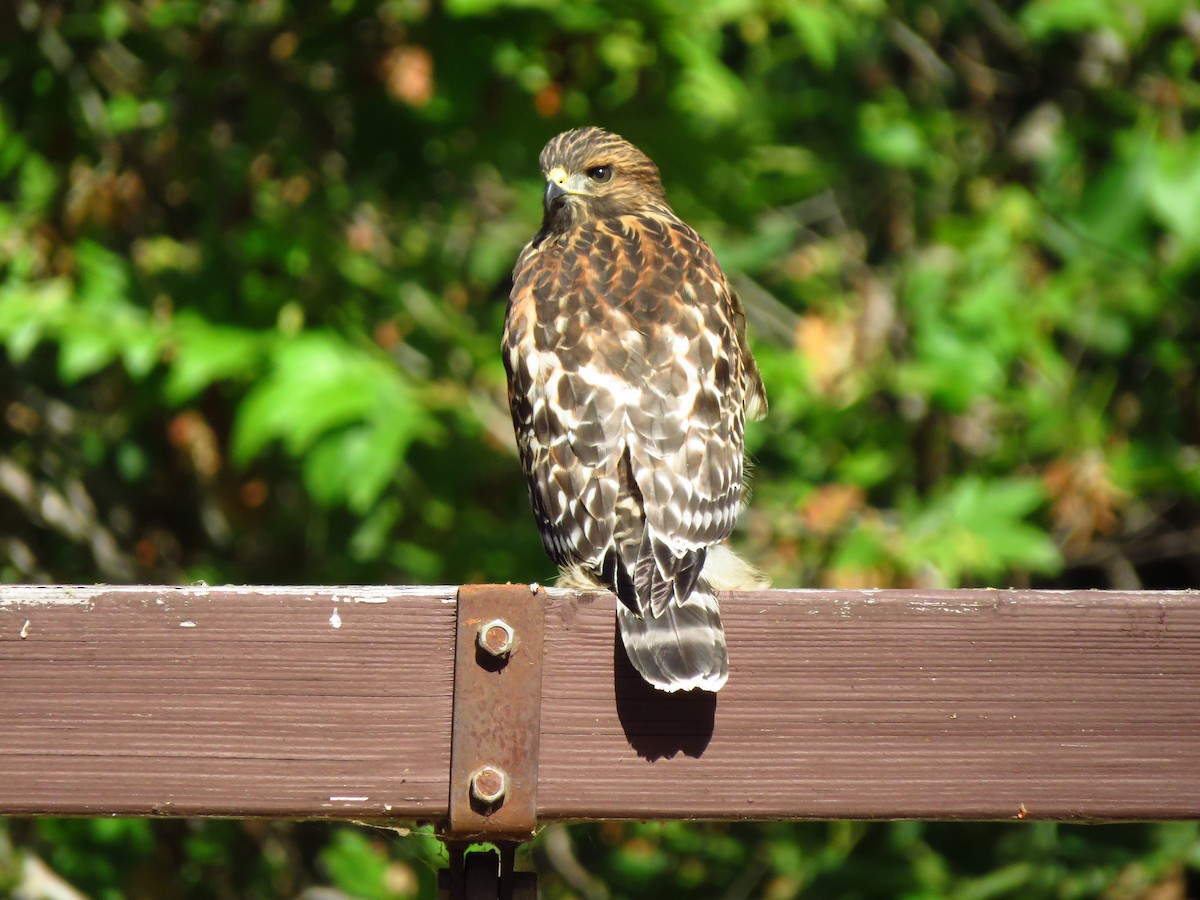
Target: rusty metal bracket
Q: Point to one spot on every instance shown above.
(496, 727)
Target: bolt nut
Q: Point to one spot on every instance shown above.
(489, 784)
(495, 638)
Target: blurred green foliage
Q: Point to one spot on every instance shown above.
(253, 265)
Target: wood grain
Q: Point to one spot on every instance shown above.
(226, 701)
(888, 704)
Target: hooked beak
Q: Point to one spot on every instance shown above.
(558, 185)
(554, 194)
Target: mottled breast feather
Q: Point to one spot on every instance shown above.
(623, 336)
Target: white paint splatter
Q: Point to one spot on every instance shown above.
(348, 799)
(335, 620)
(187, 624)
(25, 630)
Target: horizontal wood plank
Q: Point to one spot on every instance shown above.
(296, 702)
(336, 702)
(887, 704)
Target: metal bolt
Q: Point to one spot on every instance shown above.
(489, 785)
(495, 638)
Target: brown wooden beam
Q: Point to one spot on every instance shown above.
(874, 704)
(225, 701)
(889, 704)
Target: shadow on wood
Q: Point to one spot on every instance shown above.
(660, 725)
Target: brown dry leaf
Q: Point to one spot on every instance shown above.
(1084, 501)
(284, 46)
(254, 493)
(408, 74)
(295, 190)
(360, 235)
(548, 101)
(1131, 885)
(157, 548)
(102, 196)
(261, 167)
(191, 434)
(828, 349)
(830, 505)
(145, 552)
(387, 334)
(365, 234)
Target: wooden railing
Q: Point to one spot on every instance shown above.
(341, 703)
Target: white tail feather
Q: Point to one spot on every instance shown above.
(684, 648)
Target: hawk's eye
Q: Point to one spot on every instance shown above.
(600, 174)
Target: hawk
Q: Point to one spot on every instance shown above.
(629, 382)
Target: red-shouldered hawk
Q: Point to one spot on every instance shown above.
(630, 381)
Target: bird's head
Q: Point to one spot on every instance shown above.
(592, 174)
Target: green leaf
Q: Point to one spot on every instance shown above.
(316, 382)
(1174, 190)
(28, 311)
(38, 183)
(347, 413)
(1113, 211)
(977, 526)
(84, 350)
(204, 353)
(816, 28)
(356, 464)
(890, 137)
(706, 88)
(1045, 18)
(357, 865)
